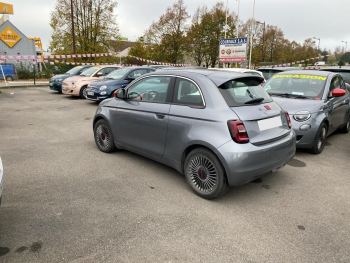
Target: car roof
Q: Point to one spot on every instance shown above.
(336, 68)
(278, 68)
(243, 70)
(216, 76)
(308, 72)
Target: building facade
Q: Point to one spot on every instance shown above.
(15, 47)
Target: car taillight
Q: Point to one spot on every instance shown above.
(288, 120)
(238, 131)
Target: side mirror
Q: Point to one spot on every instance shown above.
(99, 74)
(338, 92)
(120, 94)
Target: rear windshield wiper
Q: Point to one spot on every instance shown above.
(253, 101)
(289, 95)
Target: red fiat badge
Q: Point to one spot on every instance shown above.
(268, 107)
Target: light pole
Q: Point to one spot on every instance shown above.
(226, 26)
(346, 45)
(237, 26)
(73, 29)
(319, 42)
(251, 37)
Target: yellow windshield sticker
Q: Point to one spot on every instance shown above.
(298, 76)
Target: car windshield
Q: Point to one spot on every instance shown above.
(244, 92)
(89, 72)
(296, 85)
(75, 70)
(117, 74)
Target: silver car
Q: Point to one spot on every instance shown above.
(317, 101)
(218, 128)
(1, 179)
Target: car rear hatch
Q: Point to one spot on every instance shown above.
(263, 119)
(264, 123)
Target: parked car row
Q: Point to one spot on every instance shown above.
(217, 127)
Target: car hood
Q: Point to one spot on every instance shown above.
(108, 82)
(292, 105)
(60, 76)
(80, 79)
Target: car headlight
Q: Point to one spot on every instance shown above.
(58, 80)
(103, 88)
(103, 93)
(302, 116)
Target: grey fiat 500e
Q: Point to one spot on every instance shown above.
(219, 129)
(317, 101)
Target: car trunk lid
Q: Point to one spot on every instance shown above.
(264, 122)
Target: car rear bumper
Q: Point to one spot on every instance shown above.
(246, 162)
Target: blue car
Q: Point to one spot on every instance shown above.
(120, 78)
(56, 81)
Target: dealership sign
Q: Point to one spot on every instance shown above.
(9, 36)
(233, 50)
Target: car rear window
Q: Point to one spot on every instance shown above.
(244, 92)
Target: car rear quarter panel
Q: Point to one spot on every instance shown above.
(205, 127)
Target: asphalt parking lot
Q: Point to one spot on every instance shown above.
(65, 201)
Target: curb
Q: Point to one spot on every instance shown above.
(25, 86)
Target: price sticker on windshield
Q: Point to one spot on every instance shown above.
(299, 76)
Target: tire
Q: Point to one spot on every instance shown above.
(320, 139)
(9, 78)
(205, 174)
(346, 127)
(104, 137)
(82, 92)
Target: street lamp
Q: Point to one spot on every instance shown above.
(251, 37)
(237, 26)
(346, 45)
(319, 42)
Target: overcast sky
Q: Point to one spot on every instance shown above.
(299, 19)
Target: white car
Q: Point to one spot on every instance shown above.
(241, 70)
(1, 177)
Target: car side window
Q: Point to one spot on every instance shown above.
(187, 93)
(342, 84)
(334, 83)
(151, 89)
(137, 73)
(106, 71)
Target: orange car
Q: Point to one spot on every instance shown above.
(77, 85)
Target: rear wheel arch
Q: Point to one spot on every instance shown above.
(97, 118)
(192, 147)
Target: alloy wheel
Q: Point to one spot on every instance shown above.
(322, 138)
(103, 137)
(202, 173)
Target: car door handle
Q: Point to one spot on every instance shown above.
(160, 116)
